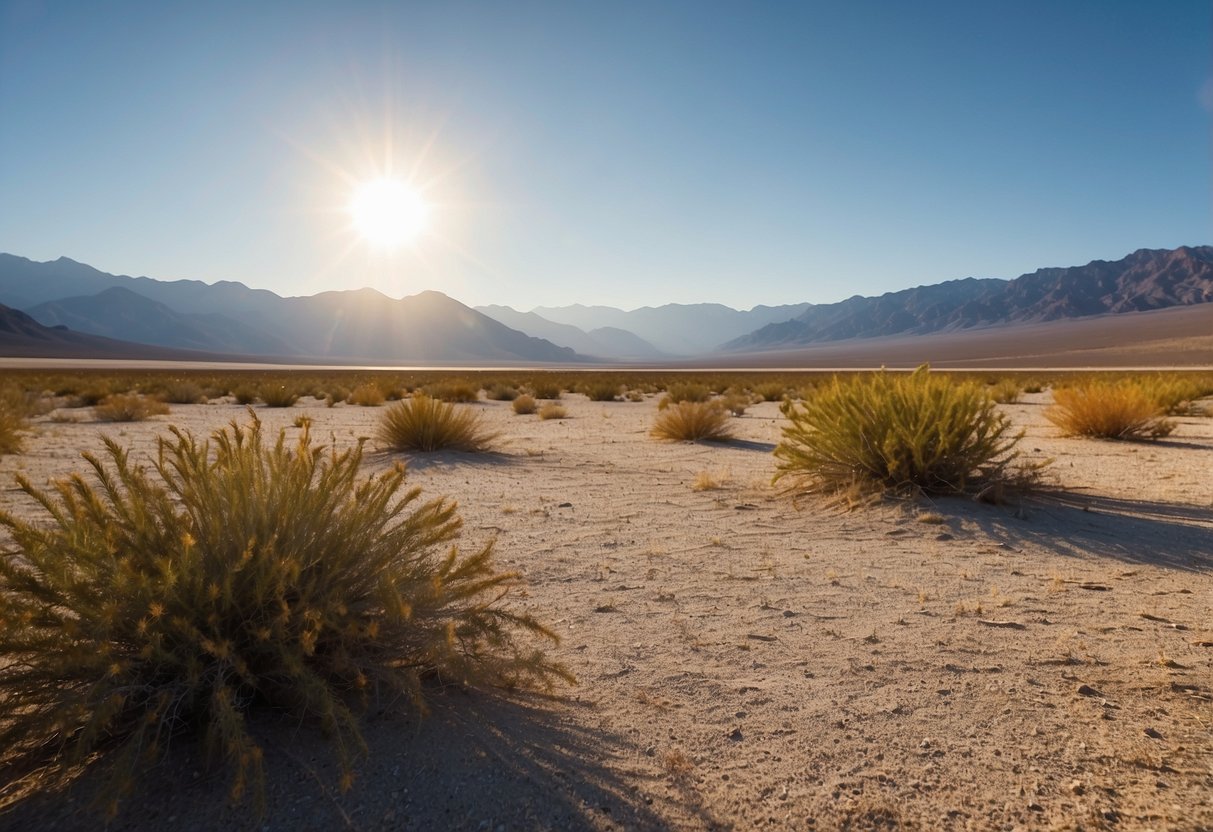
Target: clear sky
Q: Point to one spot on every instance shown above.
(606, 152)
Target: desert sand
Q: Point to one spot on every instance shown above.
(748, 660)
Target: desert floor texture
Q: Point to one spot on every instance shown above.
(746, 660)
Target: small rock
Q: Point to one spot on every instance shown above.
(1033, 806)
(944, 536)
(565, 505)
(1163, 784)
(735, 736)
(1077, 787)
(1087, 690)
(1152, 734)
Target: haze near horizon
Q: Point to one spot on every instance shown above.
(624, 155)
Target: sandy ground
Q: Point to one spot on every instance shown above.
(745, 661)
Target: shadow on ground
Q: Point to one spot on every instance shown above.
(1172, 535)
(476, 762)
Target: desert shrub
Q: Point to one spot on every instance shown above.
(736, 402)
(1034, 386)
(601, 391)
(278, 395)
(236, 572)
(635, 395)
(551, 410)
(366, 395)
(425, 424)
(1108, 410)
(692, 422)
(1176, 396)
(181, 392)
(524, 405)
(1005, 391)
(244, 394)
(452, 391)
(892, 431)
(545, 389)
(129, 407)
(500, 392)
(687, 391)
(93, 394)
(770, 391)
(14, 413)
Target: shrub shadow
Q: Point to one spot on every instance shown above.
(420, 461)
(475, 762)
(1171, 535)
(751, 445)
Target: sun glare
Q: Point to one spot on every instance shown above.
(388, 213)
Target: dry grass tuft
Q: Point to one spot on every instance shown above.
(364, 395)
(129, 407)
(236, 572)
(551, 410)
(1108, 410)
(424, 424)
(278, 395)
(524, 405)
(14, 412)
(693, 422)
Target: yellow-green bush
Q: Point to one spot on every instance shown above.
(179, 391)
(692, 422)
(236, 572)
(543, 388)
(1005, 391)
(601, 391)
(685, 391)
(1108, 410)
(894, 430)
(424, 424)
(128, 407)
(1175, 395)
(244, 394)
(365, 395)
(278, 395)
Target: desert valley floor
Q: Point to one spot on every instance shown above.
(748, 660)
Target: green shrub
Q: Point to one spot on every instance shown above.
(278, 395)
(500, 392)
(1108, 410)
(891, 431)
(181, 392)
(129, 407)
(244, 394)
(366, 395)
(601, 391)
(232, 573)
(692, 422)
(551, 410)
(545, 389)
(425, 424)
(14, 412)
(1005, 391)
(453, 391)
(524, 405)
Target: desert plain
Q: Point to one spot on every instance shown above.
(750, 659)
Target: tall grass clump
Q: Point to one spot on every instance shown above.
(684, 391)
(236, 572)
(602, 391)
(542, 388)
(1005, 391)
(1108, 410)
(693, 422)
(128, 407)
(1175, 395)
(891, 431)
(244, 394)
(425, 424)
(278, 395)
(182, 392)
(14, 413)
(364, 395)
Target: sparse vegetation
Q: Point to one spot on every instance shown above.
(453, 391)
(524, 405)
(601, 391)
(365, 395)
(693, 422)
(180, 391)
(500, 392)
(14, 412)
(425, 424)
(278, 395)
(551, 410)
(893, 431)
(244, 394)
(684, 391)
(1005, 391)
(129, 407)
(1108, 410)
(236, 572)
(545, 388)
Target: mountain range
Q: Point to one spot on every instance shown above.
(64, 303)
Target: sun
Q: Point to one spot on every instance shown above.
(388, 213)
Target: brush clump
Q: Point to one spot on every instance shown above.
(128, 407)
(890, 431)
(693, 422)
(424, 424)
(235, 572)
(1109, 410)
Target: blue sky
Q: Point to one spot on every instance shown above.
(620, 153)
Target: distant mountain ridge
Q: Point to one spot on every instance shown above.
(1145, 280)
(227, 317)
